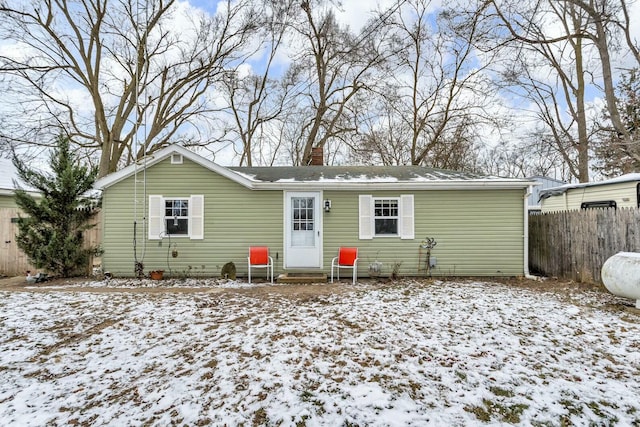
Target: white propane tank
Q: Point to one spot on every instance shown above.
(621, 275)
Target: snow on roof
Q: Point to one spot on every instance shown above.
(556, 191)
(354, 174)
(9, 174)
(342, 177)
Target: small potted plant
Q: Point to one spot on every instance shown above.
(156, 274)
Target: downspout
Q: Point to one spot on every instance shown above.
(526, 235)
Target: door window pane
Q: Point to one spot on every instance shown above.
(302, 221)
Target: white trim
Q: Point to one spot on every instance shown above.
(161, 155)
(389, 186)
(318, 223)
(157, 220)
(196, 217)
(366, 225)
(398, 217)
(12, 193)
(367, 218)
(406, 225)
(156, 217)
(527, 274)
(188, 217)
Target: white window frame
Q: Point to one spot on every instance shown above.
(166, 218)
(176, 159)
(195, 217)
(397, 217)
(366, 223)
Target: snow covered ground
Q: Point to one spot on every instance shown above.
(408, 353)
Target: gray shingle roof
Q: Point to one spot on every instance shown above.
(331, 177)
(354, 174)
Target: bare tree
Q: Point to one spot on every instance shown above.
(533, 156)
(139, 82)
(437, 86)
(336, 65)
(604, 17)
(256, 99)
(382, 135)
(587, 25)
(553, 72)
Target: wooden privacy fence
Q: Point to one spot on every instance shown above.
(575, 244)
(13, 262)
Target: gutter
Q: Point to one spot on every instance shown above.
(527, 275)
(389, 185)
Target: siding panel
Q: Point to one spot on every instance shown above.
(230, 223)
(479, 233)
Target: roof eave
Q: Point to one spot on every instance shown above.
(11, 192)
(399, 185)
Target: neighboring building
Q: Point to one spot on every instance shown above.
(7, 176)
(544, 183)
(620, 192)
(206, 215)
(12, 260)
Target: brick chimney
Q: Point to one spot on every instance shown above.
(317, 156)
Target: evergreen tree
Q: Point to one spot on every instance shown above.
(51, 233)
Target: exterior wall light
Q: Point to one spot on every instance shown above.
(327, 205)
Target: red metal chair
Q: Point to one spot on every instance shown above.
(347, 258)
(259, 258)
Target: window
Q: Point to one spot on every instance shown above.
(302, 213)
(176, 159)
(601, 204)
(176, 216)
(385, 217)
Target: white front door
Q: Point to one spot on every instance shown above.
(303, 230)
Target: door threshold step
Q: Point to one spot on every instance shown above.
(302, 278)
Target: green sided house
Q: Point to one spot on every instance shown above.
(184, 214)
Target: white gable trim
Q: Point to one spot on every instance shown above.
(164, 153)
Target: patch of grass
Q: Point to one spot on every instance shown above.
(572, 408)
(259, 417)
(542, 424)
(604, 416)
(502, 392)
(461, 375)
(495, 410)
(480, 412)
(303, 421)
